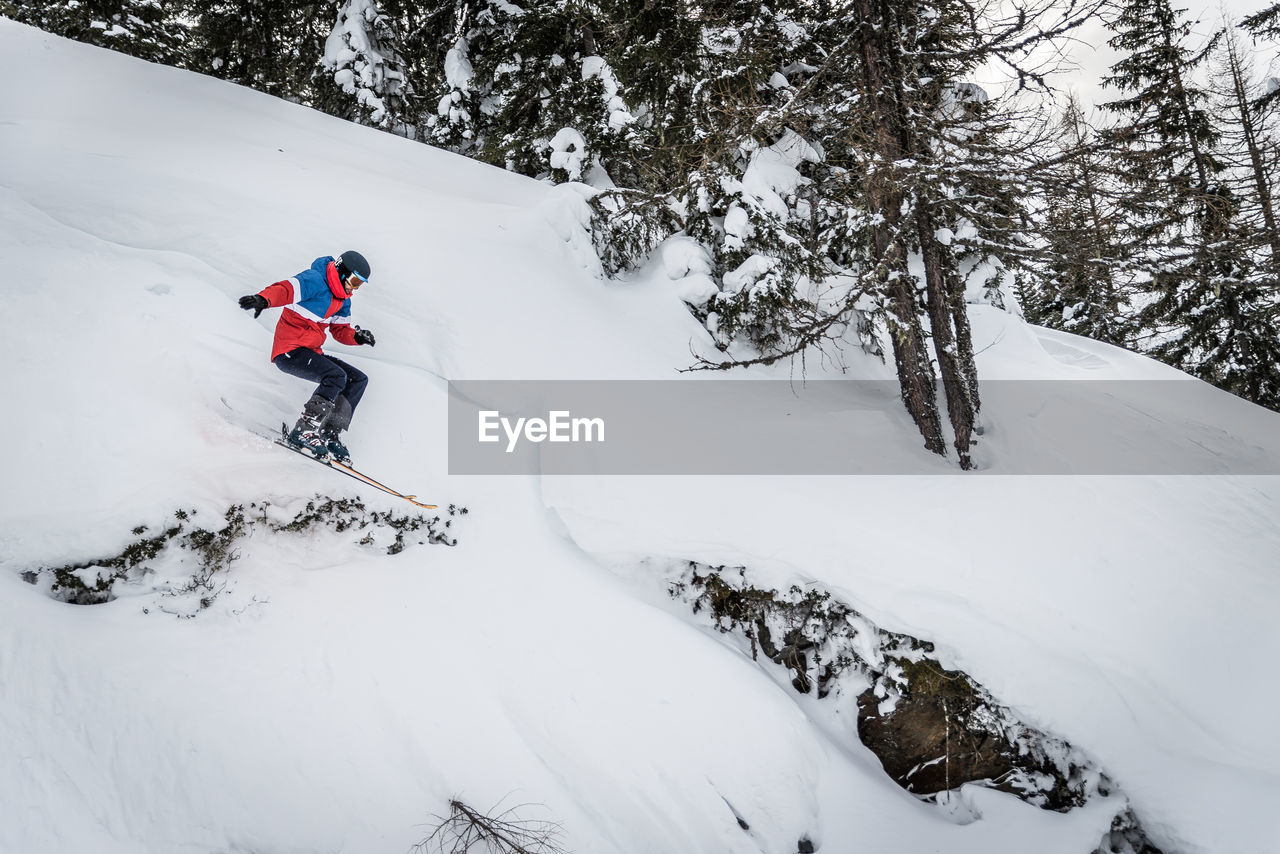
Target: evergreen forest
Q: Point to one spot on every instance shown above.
(847, 173)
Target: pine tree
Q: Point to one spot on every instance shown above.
(752, 196)
(1205, 309)
(902, 140)
(1080, 278)
(1264, 23)
(148, 29)
(1230, 339)
(1233, 339)
(1165, 143)
(657, 48)
(815, 150)
(365, 77)
(527, 87)
(463, 29)
(269, 45)
(1250, 149)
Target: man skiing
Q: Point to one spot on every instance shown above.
(316, 300)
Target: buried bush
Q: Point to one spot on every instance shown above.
(466, 830)
(205, 554)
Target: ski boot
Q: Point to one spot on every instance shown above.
(333, 444)
(306, 434)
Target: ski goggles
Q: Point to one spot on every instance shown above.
(355, 280)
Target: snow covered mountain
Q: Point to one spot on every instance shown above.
(320, 694)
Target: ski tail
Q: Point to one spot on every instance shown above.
(354, 474)
(364, 478)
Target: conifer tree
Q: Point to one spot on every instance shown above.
(883, 101)
(657, 49)
(1206, 307)
(1080, 281)
(1165, 141)
(527, 87)
(1233, 339)
(365, 77)
(269, 45)
(1229, 338)
(461, 29)
(1250, 149)
(148, 29)
(1264, 23)
(752, 196)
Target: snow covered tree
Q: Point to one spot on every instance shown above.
(657, 48)
(900, 140)
(821, 154)
(1265, 22)
(1199, 198)
(750, 211)
(1080, 282)
(453, 87)
(269, 45)
(704, 89)
(1165, 145)
(365, 77)
(1230, 340)
(749, 196)
(1231, 336)
(526, 87)
(148, 29)
(1250, 149)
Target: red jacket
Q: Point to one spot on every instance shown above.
(313, 301)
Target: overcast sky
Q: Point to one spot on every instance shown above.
(1093, 58)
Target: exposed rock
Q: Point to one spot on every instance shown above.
(932, 728)
(943, 731)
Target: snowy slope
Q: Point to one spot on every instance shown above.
(335, 698)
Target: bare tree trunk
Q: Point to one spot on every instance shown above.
(911, 357)
(964, 347)
(1101, 236)
(1257, 162)
(885, 194)
(943, 317)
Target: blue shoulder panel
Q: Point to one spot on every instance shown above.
(314, 295)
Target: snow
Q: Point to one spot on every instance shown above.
(749, 272)
(568, 151)
(457, 66)
(737, 227)
(688, 265)
(597, 67)
(334, 697)
(773, 172)
(771, 177)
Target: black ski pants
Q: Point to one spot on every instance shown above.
(338, 382)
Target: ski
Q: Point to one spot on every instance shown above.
(355, 474)
(352, 473)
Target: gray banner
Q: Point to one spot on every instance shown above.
(839, 427)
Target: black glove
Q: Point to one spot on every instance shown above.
(364, 336)
(255, 303)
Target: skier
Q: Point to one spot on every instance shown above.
(315, 300)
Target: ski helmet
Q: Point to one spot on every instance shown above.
(353, 262)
